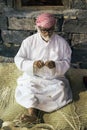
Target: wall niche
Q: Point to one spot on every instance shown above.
(42, 4)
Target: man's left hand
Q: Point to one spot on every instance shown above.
(50, 64)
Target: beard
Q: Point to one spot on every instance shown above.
(45, 37)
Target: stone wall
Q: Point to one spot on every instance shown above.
(15, 25)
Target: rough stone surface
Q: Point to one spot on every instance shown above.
(79, 39)
(16, 37)
(79, 4)
(21, 23)
(10, 3)
(82, 14)
(75, 14)
(75, 26)
(2, 6)
(79, 54)
(8, 52)
(3, 22)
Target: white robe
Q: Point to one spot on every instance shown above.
(45, 89)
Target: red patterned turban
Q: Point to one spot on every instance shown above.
(45, 20)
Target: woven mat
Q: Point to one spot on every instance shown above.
(74, 115)
(71, 117)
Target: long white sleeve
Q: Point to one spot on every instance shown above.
(22, 61)
(64, 63)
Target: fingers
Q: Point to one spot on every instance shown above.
(38, 64)
(50, 64)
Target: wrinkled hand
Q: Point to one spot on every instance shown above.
(50, 64)
(39, 64)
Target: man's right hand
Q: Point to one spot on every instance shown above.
(38, 64)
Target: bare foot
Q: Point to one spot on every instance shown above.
(29, 118)
(32, 111)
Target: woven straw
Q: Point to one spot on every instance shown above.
(71, 117)
(74, 115)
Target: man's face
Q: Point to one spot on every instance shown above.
(46, 33)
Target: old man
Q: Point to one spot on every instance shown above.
(44, 59)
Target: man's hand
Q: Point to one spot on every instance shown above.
(50, 64)
(39, 64)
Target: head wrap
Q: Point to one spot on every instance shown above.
(45, 20)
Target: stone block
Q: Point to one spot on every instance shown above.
(16, 37)
(2, 6)
(10, 3)
(79, 53)
(21, 23)
(7, 53)
(3, 22)
(75, 26)
(79, 39)
(79, 4)
(82, 14)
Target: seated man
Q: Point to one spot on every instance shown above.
(44, 58)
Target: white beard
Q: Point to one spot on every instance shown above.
(45, 38)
